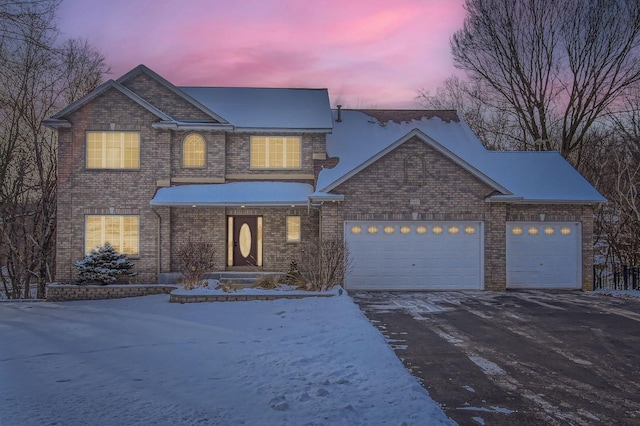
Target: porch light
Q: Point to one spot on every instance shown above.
(194, 206)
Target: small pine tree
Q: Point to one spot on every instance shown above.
(104, 264)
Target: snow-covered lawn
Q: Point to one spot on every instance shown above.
(144, 361)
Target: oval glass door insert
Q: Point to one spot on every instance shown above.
(245, 240)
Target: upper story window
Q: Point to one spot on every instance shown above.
(275, 152)
(193, 151)
(113, 150)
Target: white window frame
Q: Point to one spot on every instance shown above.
(294, 222)
(122, 142)
(192, 156)
(269, 142)
(120, 243)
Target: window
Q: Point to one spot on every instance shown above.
(121, 231)
(293, 229)
(113, 150)
(271, 152)
(193, 151)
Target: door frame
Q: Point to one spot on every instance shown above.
(231, 243)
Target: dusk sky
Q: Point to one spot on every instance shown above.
(368, 53)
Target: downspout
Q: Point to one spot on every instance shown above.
(158, 242)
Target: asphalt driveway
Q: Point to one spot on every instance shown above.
(526, 357)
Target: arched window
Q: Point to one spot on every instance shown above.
(414, 170)
(193, 151)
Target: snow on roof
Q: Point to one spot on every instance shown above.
(235, 194)
(524, 176)
(267, 108)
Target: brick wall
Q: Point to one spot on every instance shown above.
(164, 99)
(214, 158)
(238, 154)
(121, 192)
(210, 224)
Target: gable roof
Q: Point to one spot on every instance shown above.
(142, 69)
(57, 120)
(364, 136)
(253, 108)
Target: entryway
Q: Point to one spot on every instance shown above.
(244, 243)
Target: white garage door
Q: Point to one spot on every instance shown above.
(414, 255)
(544, 255)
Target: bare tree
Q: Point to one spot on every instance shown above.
(37, 77)
(492, 122)
(557, 65)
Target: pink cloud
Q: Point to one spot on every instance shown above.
(364, 51)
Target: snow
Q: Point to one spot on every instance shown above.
(143, 360)
(525, 176)
(235, 194)
(267, 108)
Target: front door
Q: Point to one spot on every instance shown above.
(245, 242)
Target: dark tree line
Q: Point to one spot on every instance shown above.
(39, 74)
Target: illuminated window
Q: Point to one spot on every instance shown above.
(516, 230)
(469, 230)
(113, 150)
(533, 230)
(388, 229)
(437, 230)
(293, 229)
(275, 152)
(193, 151)
(454, 229)
(549, 231)
(405, 230)
(122, 232)
(421, 230)
(356, 230)
(372, 230)
(565, 231)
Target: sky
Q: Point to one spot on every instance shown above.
(367, 53)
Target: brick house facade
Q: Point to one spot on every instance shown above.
(417, 183)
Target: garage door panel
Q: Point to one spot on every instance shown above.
(544, 255)
(414, 255)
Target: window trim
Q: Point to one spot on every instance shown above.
(285, 137)
(87, 249)
(204, 151)
(122, 168)
(299, 225)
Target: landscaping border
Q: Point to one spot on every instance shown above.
(193, 298)
(57, 292)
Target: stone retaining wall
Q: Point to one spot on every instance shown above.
(68, 292)
(189, 298)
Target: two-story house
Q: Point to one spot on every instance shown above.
(148, 167)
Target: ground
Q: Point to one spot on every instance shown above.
(143, 361)
(527, 357)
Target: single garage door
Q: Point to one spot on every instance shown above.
(395, 255)
(544, 255)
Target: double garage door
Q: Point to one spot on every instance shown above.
(449, 255)
(394, 255)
